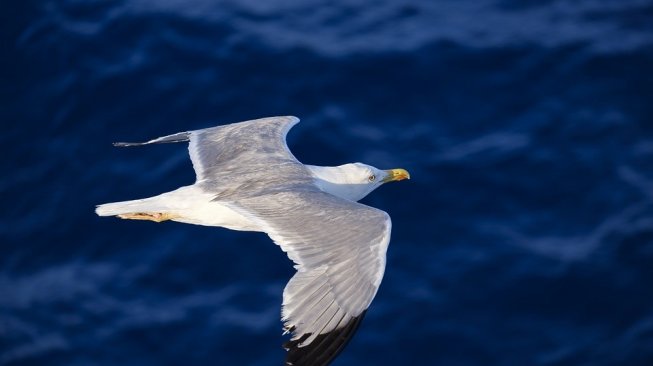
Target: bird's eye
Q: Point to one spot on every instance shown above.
(371, 178)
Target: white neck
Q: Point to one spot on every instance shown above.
(336, 181)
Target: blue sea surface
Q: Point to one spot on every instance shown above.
(525, 236)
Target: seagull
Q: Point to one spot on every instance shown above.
(247, 179)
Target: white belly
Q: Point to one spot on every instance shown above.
(194, 206)
(215, 214)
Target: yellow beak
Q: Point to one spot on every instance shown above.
(395, 175)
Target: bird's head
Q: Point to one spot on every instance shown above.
(356, 180)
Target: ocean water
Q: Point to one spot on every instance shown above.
(525, 236)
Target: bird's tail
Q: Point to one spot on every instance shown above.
(125, 207)
(157, 208)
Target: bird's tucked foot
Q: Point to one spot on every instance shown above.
(150, 216)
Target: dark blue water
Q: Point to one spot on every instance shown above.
(524, 238)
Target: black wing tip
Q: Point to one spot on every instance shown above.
(170, 139)
(324, 348)
(127, 144)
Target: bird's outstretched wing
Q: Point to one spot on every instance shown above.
(339, 248)
(248, 158)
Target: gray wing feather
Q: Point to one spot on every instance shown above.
(242, 159)
(247, 159)
(339, 248)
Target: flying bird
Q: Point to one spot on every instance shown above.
(247, 179)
